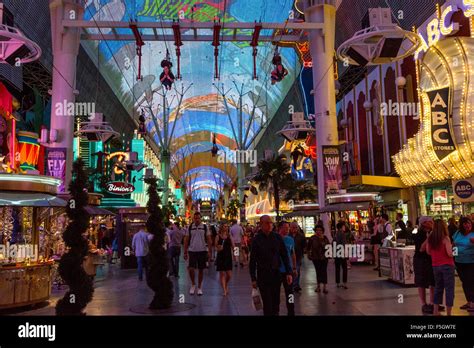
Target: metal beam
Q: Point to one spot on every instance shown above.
(195, 25)
(203, 38)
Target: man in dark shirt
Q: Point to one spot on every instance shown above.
(400, 227)
(267, 250)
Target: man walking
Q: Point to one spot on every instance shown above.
(300, 246)
(237, 233)
(195, 241)
(176, 236)
(268, 251)
(140, 247)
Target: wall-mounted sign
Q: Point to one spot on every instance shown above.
(440, 196)
(120, 188)
(441, 138)
(332, 169)
(463, 190)
(56, 165)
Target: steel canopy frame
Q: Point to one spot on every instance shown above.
(202, 31)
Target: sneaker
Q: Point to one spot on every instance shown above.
(441, 308)
(427, 309)
(465, 306)
(325, 291)
(317, 290)
(192, 290)
(199, 292)
(344, 286)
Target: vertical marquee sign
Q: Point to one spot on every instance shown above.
(332, 169)
(56, 165)
(441, 138)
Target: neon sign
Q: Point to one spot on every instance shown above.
(442, 25)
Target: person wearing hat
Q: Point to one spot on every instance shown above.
(424, 277)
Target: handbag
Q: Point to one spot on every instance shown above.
(256, 300)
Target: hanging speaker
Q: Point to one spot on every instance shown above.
(390, 47)
(356, 56)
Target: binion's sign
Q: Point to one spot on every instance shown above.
(120, 188)
(443, 25)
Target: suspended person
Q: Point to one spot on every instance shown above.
(341, 261)
(195, 248)
(167, 78)
(300, 245)
(316, 251)
(224, 246)
(267, 250)
(439, 247)
(464, 242)
(279, 73)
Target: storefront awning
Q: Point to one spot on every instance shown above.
(350, 206)
(313, 212)
(92, 210)
(30, 199)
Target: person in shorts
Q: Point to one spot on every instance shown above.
(424, 277)
(196, 250)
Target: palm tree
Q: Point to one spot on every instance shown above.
(275, 172)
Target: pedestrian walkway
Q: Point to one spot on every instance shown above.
(367, 295)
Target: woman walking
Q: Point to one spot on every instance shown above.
(464, 242)
(316, 252)
(224, 246)
(439, 246)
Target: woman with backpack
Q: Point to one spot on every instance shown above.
(439, 247)
(315, 249)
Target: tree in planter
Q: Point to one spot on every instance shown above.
(274, 172)
(233, 209)
(70, 266)
(157, 270)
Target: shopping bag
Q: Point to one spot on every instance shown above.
(256, 300)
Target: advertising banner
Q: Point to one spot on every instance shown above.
(440, 196)
(462, 190)
(441, 137)
(56, 165)
(332, 169)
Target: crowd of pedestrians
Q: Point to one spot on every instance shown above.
(274, 254)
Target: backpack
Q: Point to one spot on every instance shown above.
(205, 233)
(384, 231)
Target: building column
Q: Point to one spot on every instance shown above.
(65, 45)
(321, 44)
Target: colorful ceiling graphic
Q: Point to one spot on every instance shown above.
(203, 109)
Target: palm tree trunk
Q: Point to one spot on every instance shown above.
(276, 197)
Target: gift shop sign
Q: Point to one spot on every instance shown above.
(120, 188)
(443, 144)
(462, 190)
(442, 26)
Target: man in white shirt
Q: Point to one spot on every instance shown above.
(140, 247)
(236, 234)
(195, 239)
